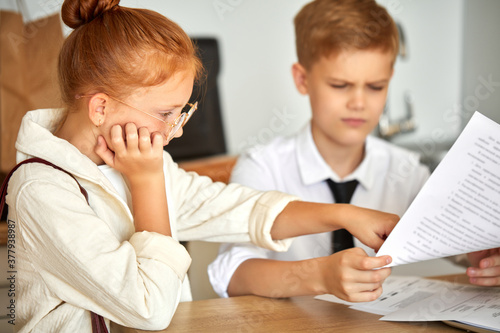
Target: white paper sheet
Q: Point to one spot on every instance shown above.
(409, 298)
(458, 209)
(399, 292)
(475, 305)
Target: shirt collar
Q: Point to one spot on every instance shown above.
(313, 168)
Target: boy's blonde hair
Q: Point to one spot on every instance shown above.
(327, 27)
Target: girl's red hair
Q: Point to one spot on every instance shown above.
(115, 49)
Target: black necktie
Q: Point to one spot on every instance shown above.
(342, 193)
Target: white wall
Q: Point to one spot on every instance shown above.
(432, 71)
(32, 9)
(481, 51)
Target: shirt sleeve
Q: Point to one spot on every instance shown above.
(224, 213)
(247, 171)
(136, 283)
(230, 257)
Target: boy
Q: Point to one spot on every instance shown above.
(346, 52)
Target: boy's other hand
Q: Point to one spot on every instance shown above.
(485, 267)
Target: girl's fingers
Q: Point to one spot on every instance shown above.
(117, 141)
(102, 150)
(144, 140)
(131, 137)
(157, 140)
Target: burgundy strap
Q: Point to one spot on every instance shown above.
(98, 323)
(3, 190)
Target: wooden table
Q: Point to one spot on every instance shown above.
(299, 314)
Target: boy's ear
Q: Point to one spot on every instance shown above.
(97, 108)
(299, 74)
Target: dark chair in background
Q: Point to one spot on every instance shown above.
(204, 134)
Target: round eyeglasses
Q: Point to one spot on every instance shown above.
(178, 123)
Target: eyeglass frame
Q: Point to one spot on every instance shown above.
(184, 116)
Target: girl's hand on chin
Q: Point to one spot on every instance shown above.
(136, 153)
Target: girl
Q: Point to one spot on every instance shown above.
(126, 76)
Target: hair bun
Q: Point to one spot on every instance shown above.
(76, 13)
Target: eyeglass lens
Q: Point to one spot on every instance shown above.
(180, 122)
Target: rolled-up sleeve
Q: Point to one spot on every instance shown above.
(267, 208)
(230, 257)
(225, 213)
(151, 246)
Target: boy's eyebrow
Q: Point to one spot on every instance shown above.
(369, 82)
(380, 81)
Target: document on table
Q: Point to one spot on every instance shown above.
(458, 209)
(472, 305)
(409, 298)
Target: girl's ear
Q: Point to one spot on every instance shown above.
(299, 74)
(97, 108)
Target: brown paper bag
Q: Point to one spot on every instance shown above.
(28, 74)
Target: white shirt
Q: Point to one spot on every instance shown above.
(389, 179)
